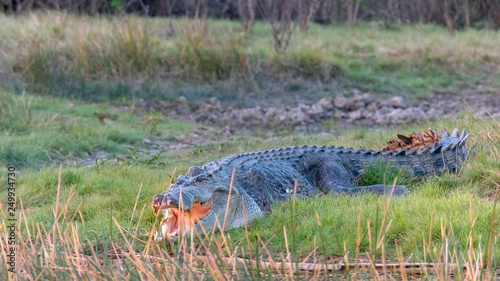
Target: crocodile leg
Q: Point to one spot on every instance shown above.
(333, 177)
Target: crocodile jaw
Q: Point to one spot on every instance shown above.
(175, 220)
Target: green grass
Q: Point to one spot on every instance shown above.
(37, 131)
(411, 220)
(438, 209)
(103, 58)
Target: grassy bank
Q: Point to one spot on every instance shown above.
(100, 58)
(106, 208)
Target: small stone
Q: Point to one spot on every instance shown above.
(383, 103)
(213, 101)
(315, 109)
(162, 104)
(356, 115)
(297, 115)
(358, 105)
(273, 112)
(414, 114)
(182, 99)
(372, 108)
(398, 102)
(342, 102)
(326, 103)
(385, 110)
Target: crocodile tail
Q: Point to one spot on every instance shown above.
(419, 154)
(416, 140)
(430, 153)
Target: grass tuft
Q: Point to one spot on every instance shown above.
(211, 56)
(36, 131)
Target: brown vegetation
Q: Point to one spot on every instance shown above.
(415, 141)
(451, 13)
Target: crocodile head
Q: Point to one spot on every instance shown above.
(196, 204)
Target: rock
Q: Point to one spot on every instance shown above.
(342, 102)
(425, 105)
(326, 103)
(297, 116)
(356, 115)
(433, 113)
(383, 103)
(385, 110)
(414, 114)
(398, 102)
(393, 117)
(340, 114)
(357, 105)
(140, 104)
(213, 101)
(360, 109)
(360, 101)
(273, 112)
(315, 109)
(162, 104)
(379, 118)
(369, 115)
(372, 108)
(398, 116)
(182, 106)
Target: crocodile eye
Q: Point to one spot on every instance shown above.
(201, 178)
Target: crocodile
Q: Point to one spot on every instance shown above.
(235, 190)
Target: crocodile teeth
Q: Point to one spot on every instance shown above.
(455, 133)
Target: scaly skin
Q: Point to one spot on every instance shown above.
(198, 200)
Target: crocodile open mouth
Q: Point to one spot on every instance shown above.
(173, 217)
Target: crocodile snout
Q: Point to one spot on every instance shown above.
(160, 202)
